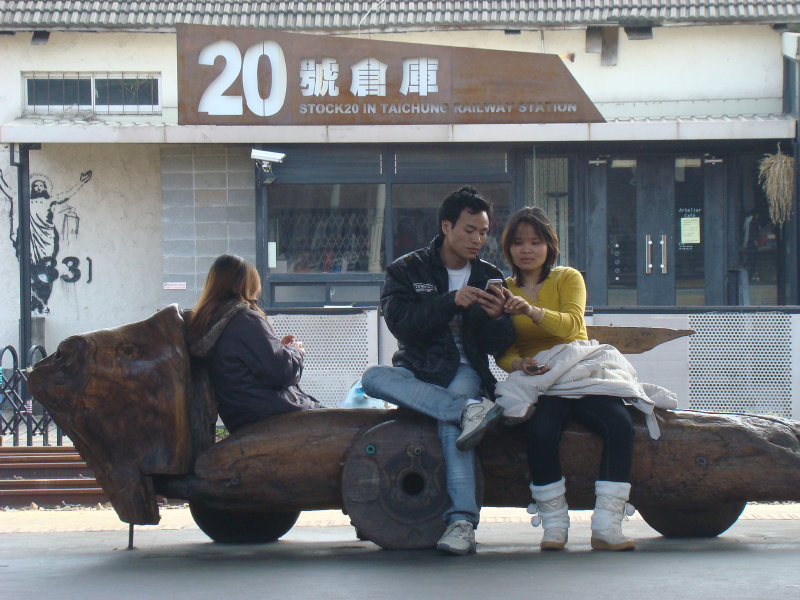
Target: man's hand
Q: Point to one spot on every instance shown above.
(492, 301)
(467, 296)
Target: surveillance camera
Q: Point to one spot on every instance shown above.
(267, 156)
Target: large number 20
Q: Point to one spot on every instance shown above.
(214, 102)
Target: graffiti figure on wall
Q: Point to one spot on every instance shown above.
(45, 236)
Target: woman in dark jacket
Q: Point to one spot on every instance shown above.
(253, 372)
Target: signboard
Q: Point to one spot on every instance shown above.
(234, 76)
(690, 230)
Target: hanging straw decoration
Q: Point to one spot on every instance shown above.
(776, 176)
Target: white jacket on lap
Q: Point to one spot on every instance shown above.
(583, 368)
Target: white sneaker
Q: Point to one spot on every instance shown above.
(458, 538)
(476, 420)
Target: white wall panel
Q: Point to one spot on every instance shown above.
(108, 228)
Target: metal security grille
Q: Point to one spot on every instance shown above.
(339, 348)
(23, 420)
(325, 241)
(741, 362)
(100, 93)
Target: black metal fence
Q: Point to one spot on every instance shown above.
(23, 419)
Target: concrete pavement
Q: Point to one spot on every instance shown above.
(178, 517)
(46, 554)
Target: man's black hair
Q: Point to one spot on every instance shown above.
(465, 197)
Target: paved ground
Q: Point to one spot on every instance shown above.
(81, 554)
(178, 517)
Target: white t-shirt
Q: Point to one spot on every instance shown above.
(457, 279)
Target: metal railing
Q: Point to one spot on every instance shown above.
(23, 419)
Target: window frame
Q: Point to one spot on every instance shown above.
(376, 163)
(93, 77)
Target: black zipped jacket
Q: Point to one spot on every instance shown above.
(254, 376)
(418, 308)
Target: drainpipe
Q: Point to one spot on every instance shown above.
(262, 246)
(24, 245)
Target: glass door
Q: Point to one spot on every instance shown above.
(622, 247)
(657, 240)
(655, 231)
(690, 271)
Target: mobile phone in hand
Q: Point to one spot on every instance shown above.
(497, 282)
(536, 370)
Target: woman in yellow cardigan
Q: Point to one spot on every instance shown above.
(547, 304)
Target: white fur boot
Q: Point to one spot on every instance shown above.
(553, 513)
(610, 508)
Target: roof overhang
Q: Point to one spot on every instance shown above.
(34, 131)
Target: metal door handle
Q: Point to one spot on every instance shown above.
(648, 260)
(663, 254)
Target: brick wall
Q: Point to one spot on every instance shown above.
(208, 209)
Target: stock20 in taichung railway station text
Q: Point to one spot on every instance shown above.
(423, 108)
(231, 76)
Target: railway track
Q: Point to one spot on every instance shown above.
(48, 476)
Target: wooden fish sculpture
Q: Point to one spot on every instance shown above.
(130, 402)
(141, 413)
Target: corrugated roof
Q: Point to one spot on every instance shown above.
(318, 16)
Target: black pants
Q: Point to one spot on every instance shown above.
(605, 415)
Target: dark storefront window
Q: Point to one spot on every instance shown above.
(547, 186)
(647, 229)
(327, 228)
(757, 238)
(621, 227)
(415, 208)
(689, 221)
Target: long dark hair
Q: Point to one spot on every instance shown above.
(536, 218)
(230, 278)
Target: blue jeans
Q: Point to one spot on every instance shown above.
(399, 386)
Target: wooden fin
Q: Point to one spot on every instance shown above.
(634, 340)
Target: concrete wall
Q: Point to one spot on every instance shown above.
(681, 72)
(208, 209)
(107, 266)
(87, 52)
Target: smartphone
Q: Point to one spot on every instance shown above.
(538, 370)
(497, 282)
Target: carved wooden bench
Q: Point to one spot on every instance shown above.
(141, 413)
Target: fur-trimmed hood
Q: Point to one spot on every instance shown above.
(200, 347)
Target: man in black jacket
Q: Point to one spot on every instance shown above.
(446, 325)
